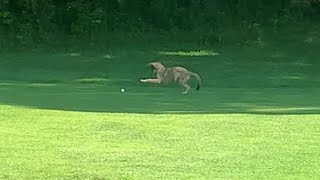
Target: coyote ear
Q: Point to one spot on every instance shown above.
(150, 65)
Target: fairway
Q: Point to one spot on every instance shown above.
(42, 144)
(63, 116)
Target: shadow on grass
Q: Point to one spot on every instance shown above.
(233, 82)
(99, 97)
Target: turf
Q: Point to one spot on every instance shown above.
(62, 115)
(44, 144)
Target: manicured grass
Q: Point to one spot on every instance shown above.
(45, 144)
(62, 115)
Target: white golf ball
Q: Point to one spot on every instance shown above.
(122, 90)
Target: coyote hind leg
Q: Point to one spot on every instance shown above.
(184, 83)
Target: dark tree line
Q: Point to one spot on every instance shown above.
(27, 21)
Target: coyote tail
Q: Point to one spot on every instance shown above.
(197, 76)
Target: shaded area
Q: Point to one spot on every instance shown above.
(238, 80)
(107, 98)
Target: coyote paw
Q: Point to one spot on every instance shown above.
(143, 80)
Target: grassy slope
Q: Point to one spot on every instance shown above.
(219, 137)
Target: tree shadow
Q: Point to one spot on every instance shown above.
(140, 98)
(232, 84)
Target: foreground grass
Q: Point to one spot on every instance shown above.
(45, 144)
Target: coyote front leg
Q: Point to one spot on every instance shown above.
(153, 81)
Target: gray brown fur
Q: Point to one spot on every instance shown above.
(172, 74)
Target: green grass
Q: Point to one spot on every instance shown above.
(62, 115)
(45, 144)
